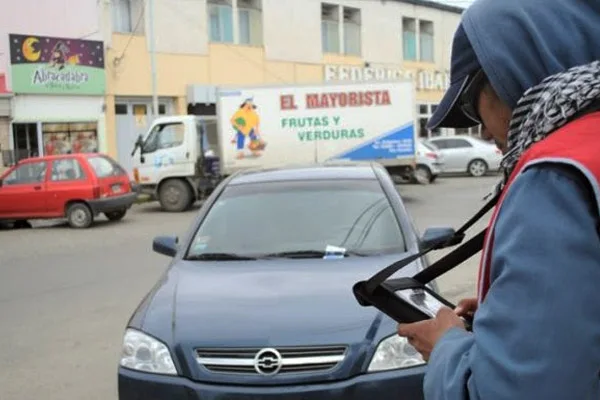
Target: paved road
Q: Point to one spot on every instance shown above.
(65, 295)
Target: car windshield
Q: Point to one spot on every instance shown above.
(430, 146)
(298, 218)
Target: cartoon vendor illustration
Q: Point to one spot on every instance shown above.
(246, 123)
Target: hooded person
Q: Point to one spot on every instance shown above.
(528, 72)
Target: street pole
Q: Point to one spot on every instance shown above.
(152, 57)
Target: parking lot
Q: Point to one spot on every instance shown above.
(65, 295)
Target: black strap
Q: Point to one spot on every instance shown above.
(447, 262)
(452, 259)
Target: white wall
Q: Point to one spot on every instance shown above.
(33, 108)
(293, 29)
(180, 26)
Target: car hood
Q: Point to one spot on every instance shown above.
(253, 305)
(281, 302)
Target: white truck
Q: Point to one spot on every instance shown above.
(182, 158)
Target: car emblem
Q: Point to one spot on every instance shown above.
(268, 362)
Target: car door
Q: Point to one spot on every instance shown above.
(67, 181)
(23, 191)
(164, 152)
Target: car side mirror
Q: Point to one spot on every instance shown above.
(165, 245)
(438, 237)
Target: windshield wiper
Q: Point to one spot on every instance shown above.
(219, 257)
(309, 254)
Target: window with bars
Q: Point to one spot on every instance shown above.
(330, 28)
(121, 16)
(352, 31)
(250, 22)
(220, 16)
(426, 46)
(409, 39)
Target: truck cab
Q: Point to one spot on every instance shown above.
(177, 160)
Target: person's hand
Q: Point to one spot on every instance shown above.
(424, 335)
(466, 307)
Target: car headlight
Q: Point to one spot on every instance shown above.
(394, 352)
(144, 353)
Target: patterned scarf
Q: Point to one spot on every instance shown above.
(546, 107)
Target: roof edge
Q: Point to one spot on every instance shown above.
(433, 4)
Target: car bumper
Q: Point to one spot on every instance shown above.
(114, 203)
(393, 385)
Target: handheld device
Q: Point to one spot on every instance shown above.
(409, 299)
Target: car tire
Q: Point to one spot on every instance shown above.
(115, 215)
(477, 168)
(175, 196)
(79, 216)
(423, 174)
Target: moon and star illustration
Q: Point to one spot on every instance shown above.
(55, 52)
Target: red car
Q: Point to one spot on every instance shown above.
(77, 187)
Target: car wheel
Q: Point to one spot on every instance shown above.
(79, 216)
(115, 215)
(175, 196)
(423, 174)
(477, 168)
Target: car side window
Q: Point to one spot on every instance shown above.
(459, 144)
(441, 143)
(29, 173)
(68, 169)
(164, 136)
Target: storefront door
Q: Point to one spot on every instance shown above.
(132, 119)
(26, 143)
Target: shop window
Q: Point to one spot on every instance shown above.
(121, 109)
(220, 15)
(424, 112)
(162, 109)
(164, 136)
(330, 31)
(426, 47)
(352, 31)
(25, 139)
(139, 113)
(409, 39)
(68, 169)
(69, 138)
(250, 22)
(34, 172)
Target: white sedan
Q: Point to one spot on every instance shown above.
(468, 154)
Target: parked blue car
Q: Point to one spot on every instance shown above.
(257, 302)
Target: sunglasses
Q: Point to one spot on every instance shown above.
(470, 97)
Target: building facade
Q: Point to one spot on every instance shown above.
(200, 44)
(55, 73)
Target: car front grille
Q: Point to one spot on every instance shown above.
(271, 361)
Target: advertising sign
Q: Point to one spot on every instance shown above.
(305, 124)
(49, 65)
(424, 79)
